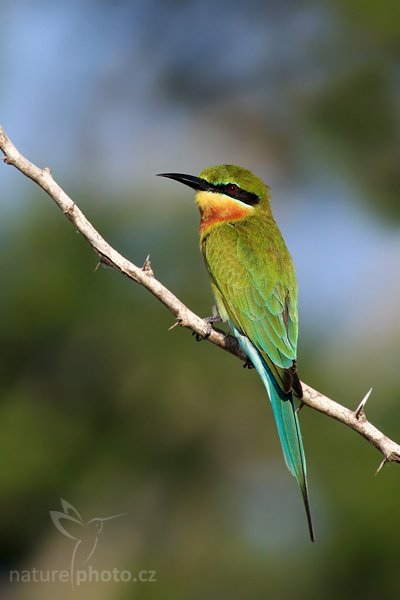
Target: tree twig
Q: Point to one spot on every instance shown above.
(355, 419)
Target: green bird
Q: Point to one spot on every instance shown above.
(255, 288)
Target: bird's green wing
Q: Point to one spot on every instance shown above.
(254, 281)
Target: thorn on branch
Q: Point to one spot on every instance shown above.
(147, 267)
(68, 211)
(359, 412)
(47, 170)
(385, 460)
(104, 261)
(177, 322)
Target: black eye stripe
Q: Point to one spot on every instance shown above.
(238, 194)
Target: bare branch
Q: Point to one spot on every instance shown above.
(356, 420)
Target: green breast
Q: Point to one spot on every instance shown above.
(253, 277)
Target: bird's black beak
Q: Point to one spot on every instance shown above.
(194, 182)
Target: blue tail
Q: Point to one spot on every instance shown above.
(286, 420)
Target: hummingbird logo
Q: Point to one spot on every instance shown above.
(84, 533)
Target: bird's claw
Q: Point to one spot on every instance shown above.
(213, 319)
(199, 337)
(248, 364)
(208, 321)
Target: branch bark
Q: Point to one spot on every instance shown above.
(356, 420)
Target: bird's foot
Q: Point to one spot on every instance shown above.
(248, 364)
(216, 318)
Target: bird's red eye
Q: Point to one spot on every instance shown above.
(232, 188)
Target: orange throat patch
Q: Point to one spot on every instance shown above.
(218, 208)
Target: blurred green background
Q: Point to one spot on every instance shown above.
(99, 403)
